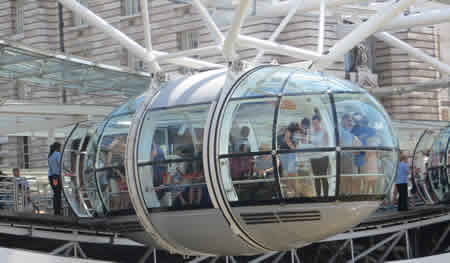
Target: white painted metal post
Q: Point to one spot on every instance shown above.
(51, 137)
(360, 33)
(279, 29)
(321, 27)
(238, 21)
(393, 41)
(213, 29)
(154, 67)
(399, 90)
(424, 18)
(96, 21)
(246, 41)
(189, 52)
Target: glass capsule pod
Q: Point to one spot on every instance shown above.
(276, 160)
(431, 166)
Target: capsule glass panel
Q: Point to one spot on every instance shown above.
(360, 116)
(305, 122)
(70, 168)
(263, 82)
(110, 169)
(79, 179)
(305, 83)
(421, 165)
(250, 178)
(311, 148)
(308, 174)
(242, 132)
(170, 158)
(366, 172)
(437, 171)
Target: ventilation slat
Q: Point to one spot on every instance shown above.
(281, 217)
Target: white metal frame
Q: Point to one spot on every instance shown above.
(388, 17)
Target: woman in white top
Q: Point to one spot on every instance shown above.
(319, 138)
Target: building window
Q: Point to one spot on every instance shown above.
(26, 152)
(78, 20)
(20, 10)
(188, 40)
(130, 7)
(444, 114)
(131, 61)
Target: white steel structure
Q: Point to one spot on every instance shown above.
(377, 17)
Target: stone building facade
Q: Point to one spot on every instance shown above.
(178, 26)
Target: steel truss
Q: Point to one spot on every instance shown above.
(374, 242)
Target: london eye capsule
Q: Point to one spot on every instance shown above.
(431, 166)
(276, 160)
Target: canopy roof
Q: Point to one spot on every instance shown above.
(51, 69)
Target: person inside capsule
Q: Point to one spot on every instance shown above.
(347, 139)
(319, 138)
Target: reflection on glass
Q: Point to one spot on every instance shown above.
(174, 185)
(71, 179)
(366, 172)
(110, 169)
(302, 82)
(113, 185)
(78, 171)
(308, 174)
(305, 122)
(364, 118)
(421, 164)
(170, 158)
(438, 178)
(249, 178)
(113, 142)
(264, 82)
(247, 126)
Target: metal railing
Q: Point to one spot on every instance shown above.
(14, 194)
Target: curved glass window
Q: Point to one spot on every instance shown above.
(320, 138)
(79, 179)
(437, 171)
(243, 133)
(306, 126)
(421, 167)
(170, 161)
(110, 169)
(360, 116)
(70, 167)
(302, 82)
(263, 82)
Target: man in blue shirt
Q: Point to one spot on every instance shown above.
(364, 133)
(349, 184)
(401, 183)
(54, 175)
